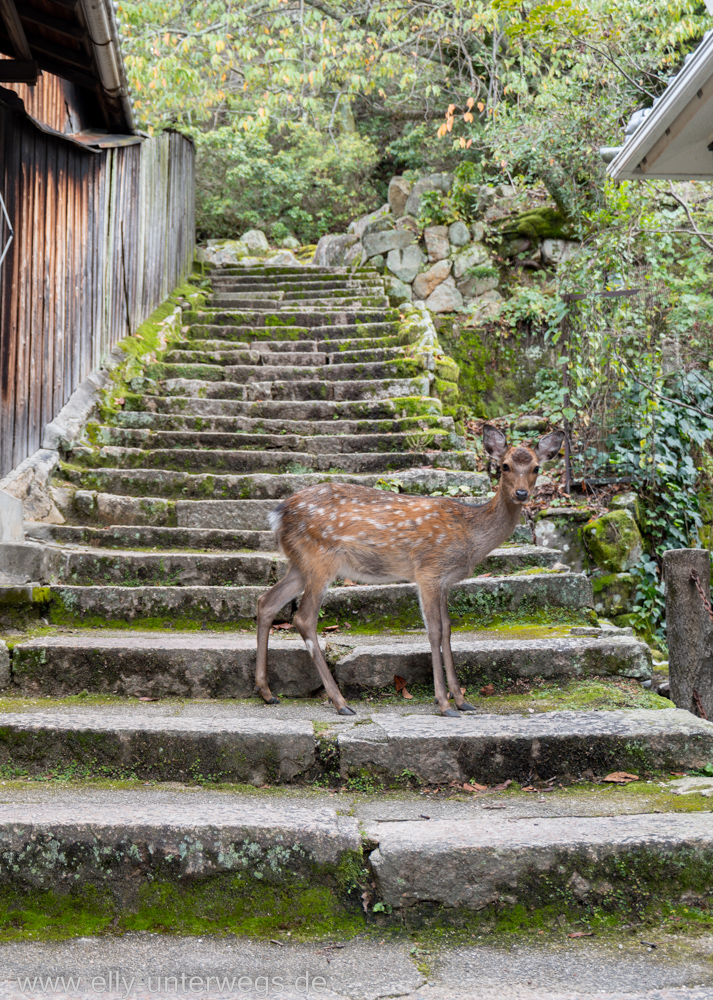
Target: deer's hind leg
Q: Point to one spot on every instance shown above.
(268, 605)
(430, 600)
(454, 687)
(306, 623)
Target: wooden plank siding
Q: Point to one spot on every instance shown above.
(101, 238)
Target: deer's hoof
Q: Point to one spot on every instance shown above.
(272, 701)
(467, 707)
(450, 713)
(346, 711)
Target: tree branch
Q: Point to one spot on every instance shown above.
(706, 243)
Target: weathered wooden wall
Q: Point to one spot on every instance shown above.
(101, 238)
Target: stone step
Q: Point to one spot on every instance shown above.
(294, 389)
(407, 407)
(169, 568)
(215, 354)
(334, 335)
(128, 568)
(205, 664)
(481, 601)
(151, 488)
(347, 319)
(232, 283)
(226, 293)
(139, 536)
(131, 845)
(471, 864)
(141, 419)
(328, 444)
(234, 848)
(254, 371)
(255, 747)
(197, 461)
(244, 302)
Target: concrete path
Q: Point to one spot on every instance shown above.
(365, 969)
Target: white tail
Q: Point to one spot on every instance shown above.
(335, 531)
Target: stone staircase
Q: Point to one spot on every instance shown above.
(289, 377)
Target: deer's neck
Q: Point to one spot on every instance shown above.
(494, 523)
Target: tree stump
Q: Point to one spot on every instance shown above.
(689, 629)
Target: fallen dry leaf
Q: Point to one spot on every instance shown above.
(349, 583)
(400, 685)
(283, 625)
(501, 788)
(621, 777)
(147, 697)
(578, 934)
(529, 788)
(330, 628)
(487, 690)
(472, 787)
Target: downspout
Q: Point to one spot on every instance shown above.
(105, 42)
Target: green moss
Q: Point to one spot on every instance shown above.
(540, 224)
(614, 541)
(230, 904)
(447, 392)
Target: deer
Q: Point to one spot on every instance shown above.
(337, 531)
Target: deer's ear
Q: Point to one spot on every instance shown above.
(494, 442)
(549, 445)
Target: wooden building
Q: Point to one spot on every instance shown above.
(96, 220)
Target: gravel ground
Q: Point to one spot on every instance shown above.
(142, 966)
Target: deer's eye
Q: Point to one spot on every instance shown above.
(506, 467)
(536, 469)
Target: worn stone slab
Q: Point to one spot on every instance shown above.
(134, 569)
(152, 664)
(539, 862)
(492, 748)
(483, 659)
(162, 748)
(111, 842)
(484, 599)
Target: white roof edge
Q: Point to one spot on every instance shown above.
(675, 98)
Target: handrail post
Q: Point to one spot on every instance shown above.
(689, 630)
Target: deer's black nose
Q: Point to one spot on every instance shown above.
(521, 494)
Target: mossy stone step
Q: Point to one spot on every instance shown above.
(203, 664)
(103, 508)
(536, 595)
(153, 488)
(314, 283)
(223, 568)
(244, 302)
(255, 747)
(141, 536)
(217, 462)
(142, 419)
(282, 410)
(296, 389)
(253, 370)
(290, 334)
(170, 568)
(312, 320)
(316, 443)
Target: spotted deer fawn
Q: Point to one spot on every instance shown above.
(337, 530)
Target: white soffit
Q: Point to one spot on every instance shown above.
(672, 140)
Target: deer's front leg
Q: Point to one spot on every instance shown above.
(306, 624)
(431, 610)
(461, 704)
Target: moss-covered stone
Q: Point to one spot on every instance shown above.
(614, 593)
(614, 541)
(546, 223)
